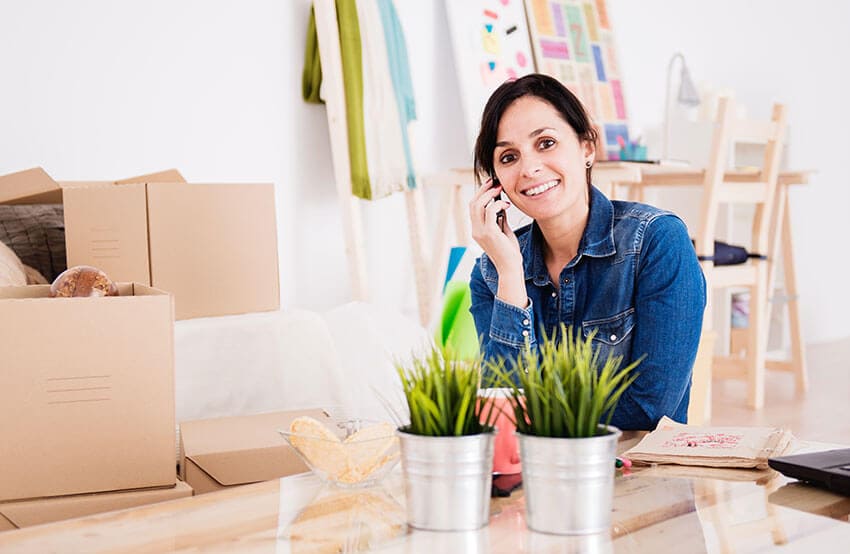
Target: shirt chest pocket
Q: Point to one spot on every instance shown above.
(613, 335)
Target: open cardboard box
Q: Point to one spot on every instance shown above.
(23, 513)
(214, 246)
(223, 452)
(86, 392)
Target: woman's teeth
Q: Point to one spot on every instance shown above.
(540, 189)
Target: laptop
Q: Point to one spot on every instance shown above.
(830, 469)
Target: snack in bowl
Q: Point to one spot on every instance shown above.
(357, 453)
(82, 280)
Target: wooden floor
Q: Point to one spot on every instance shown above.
(823, 414)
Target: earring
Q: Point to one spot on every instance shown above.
(587, 164)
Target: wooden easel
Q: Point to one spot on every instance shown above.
(334, 95)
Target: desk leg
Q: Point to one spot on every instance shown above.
(798, 357)
(782, 235)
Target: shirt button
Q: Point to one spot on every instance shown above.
(525, 322)
(554, 294)
(525, 332)
(566, 281)
(613, 337)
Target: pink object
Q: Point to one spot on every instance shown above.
(520, 59)
(506, 445)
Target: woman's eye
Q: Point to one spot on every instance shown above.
(506, 158)
(546, 144)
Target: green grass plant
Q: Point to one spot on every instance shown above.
(441, 391)
(562, 388)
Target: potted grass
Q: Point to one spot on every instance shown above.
(562, 396)
(447, 448)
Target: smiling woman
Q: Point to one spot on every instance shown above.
(622, 272)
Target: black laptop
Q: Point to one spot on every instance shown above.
(830, 469)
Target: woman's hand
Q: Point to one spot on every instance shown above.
(501, 245)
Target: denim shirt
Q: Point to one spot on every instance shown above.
(635, 280)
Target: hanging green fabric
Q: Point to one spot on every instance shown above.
(352, 77)
(311, 76)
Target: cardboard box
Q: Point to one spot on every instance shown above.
(86, 392)
(23, 513)
(214, 246)
(223, 452)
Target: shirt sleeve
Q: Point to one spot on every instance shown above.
(670, 299)
(503, 329)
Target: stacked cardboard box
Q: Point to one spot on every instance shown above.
(87, 404)
(224, 452)
(213, 246)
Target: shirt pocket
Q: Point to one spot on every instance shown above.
(613, 334)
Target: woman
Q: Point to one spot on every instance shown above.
(626, 270)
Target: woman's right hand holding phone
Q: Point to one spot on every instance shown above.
(498, 241)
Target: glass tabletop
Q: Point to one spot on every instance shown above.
(656, 509)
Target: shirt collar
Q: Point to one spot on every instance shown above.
(597, 240)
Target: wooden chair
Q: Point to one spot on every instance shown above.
(759, 189)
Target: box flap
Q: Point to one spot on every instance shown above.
(31, 186)
(167, 176)
(245, 449)
(45, 510)
(250, 466)
(214, 246)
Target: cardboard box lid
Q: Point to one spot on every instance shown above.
(31, 186)
(244, 449)
(165, 176)
(44, 510)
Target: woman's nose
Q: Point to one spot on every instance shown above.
(531, 165)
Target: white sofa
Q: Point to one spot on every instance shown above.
(291, 359)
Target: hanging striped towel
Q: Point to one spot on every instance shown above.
(376, 75)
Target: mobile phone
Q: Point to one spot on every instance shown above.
(504, 485)
(500, 215)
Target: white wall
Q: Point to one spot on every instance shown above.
(764, 51)
(97, 89)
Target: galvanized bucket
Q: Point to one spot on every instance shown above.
(569, 483)
(447, 480)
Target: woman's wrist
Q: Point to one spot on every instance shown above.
(512, 289)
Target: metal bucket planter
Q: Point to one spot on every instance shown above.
(569, 483)
(447, 480)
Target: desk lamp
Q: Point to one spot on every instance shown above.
(687, 96)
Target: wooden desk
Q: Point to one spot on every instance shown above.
(656, 509)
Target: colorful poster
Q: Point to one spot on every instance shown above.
(490, 44)
(573, 41)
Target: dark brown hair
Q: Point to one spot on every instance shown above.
(541, 86)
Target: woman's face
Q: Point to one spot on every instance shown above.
(540, 161)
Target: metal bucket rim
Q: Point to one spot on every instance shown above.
(612, 432)
(488, 431)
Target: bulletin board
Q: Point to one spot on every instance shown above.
(573, 42)
(490, 41)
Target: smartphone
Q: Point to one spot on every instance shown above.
(504, 485)
(500, 215)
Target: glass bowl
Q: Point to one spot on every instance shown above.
(350, 453)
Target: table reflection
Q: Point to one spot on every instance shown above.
(344, 520)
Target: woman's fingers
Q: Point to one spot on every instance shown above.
(481, 199)
(491, 211)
